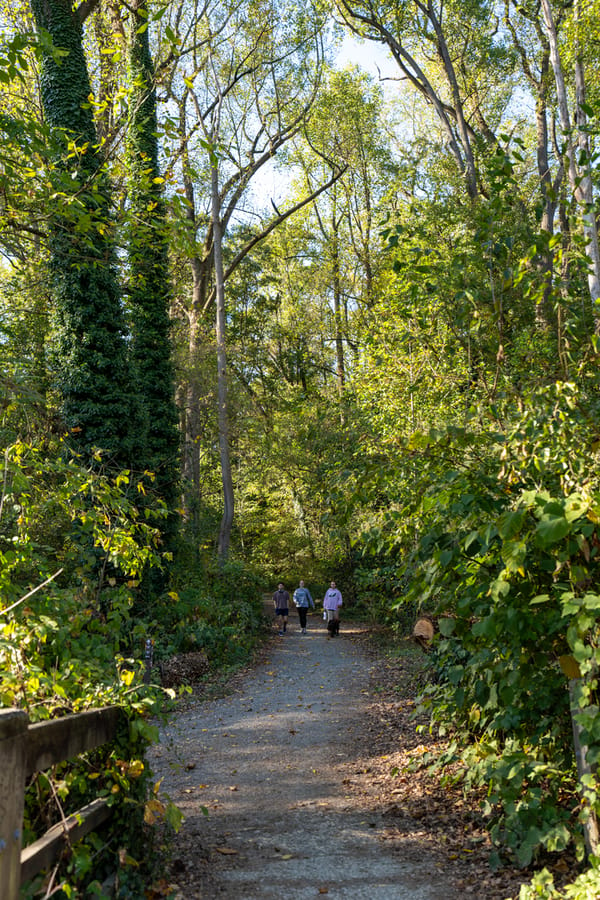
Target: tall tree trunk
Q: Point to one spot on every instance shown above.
(222, 399)
(149, 285)
(549, 187)
(191, 392)
(580, 181)
(461, 124)
(99, 401)
(590, 223)
(366, 20)
(337, 300)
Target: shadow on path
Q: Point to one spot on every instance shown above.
(269, 763)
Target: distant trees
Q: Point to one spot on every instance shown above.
(256, 79)
(471, 272)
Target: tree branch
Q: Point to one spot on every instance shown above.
(241, 254)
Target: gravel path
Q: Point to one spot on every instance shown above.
(269, 763)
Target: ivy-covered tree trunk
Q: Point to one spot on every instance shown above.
(99, 403)
(149, 286)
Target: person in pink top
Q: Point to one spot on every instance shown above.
(331, 604)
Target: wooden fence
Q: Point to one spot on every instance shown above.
(26, 749)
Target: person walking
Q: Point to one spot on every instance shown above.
(302, 600)
(281, 602)
(331, 604)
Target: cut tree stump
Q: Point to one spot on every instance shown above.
(424, 631)
(184, 669)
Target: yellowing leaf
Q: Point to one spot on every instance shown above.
(136, 767)
(570, 666)
(153, 811)
(126, 676)
(157, 785)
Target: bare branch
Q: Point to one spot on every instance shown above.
(273, 224)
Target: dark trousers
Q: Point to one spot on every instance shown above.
(302, 611)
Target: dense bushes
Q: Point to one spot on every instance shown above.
(508, 558)
(75, 546)
(219, 611)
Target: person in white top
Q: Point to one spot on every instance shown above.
(331, 604)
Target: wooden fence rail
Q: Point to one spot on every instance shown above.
(26, 749)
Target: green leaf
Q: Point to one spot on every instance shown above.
(447, 625)
(513, 555)
(590, 601)
(510, 523)
(575, 507)
(470, 539)
(499, 589)
(446, 557)
(553, 526)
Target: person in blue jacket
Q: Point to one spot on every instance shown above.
(302, 600)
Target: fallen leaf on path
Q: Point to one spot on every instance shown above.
(161, 888)
(226, 851)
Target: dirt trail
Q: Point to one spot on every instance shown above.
(272, 763)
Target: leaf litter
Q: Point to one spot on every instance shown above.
(385, 778)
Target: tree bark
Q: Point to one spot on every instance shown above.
(579, 179)
(222, 400)
(100, 405)
(149, 275)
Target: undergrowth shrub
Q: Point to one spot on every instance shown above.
(508, 560)
(542, 887)
(380, 585)
(220, 613)
(74, 545)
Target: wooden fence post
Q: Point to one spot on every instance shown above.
(13, 746)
